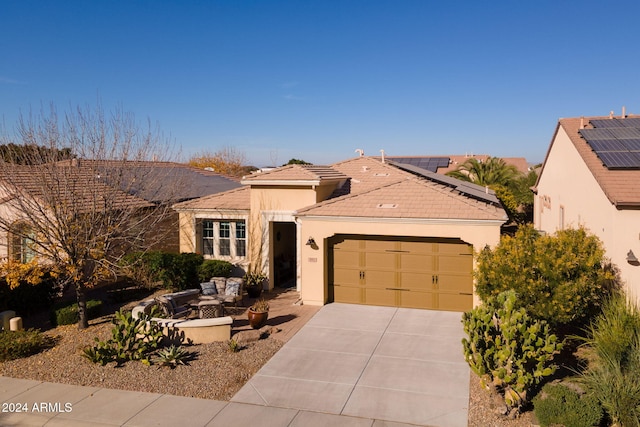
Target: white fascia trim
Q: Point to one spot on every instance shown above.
(283, 216)
(424, 221)
(282, 183)
(199, 210)
(217, 214)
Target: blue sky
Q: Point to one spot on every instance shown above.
(317, 79)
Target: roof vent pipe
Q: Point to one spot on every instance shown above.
(624, 111)
(582, 122)
(611, 114)
(360, 151)
(382, 154)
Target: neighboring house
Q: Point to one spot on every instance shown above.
(85, 180)
(359, 231)
(448, 163)
(590, 178)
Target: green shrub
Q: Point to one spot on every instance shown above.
(559, 404)
(131, 339)
(563, 279)
(214, 268)
(182, 270)
(510, 351)
(233, 345)
(175, 271)
(17, 344)
(614, 376)
(68, 315)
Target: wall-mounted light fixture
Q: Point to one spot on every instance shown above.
(631, 258)
(311, 242)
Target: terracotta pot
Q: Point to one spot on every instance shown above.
(257, 319)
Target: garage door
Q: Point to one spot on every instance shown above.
(431, 274)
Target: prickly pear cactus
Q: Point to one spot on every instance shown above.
(508, 349)
(479, 348)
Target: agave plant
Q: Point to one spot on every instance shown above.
(172, 356)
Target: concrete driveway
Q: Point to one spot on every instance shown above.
(385, 363)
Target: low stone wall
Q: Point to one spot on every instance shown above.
(195, 331)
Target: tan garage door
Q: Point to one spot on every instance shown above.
(432, 274)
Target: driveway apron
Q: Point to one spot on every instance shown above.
(392, 364)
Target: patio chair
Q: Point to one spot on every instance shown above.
(233, 291)
(170, 309)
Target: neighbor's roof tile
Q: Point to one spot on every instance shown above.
(296, 173)
(236, 199)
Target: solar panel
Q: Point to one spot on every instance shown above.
(607, 145)
(607, 123)
(596, 134)
(625, 133)
(631, 144)
(634, 122)
(619, 160)
(616, 123)
(616, 142)
(429, 163)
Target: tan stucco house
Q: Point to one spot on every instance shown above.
(590, 178)
(364, 231)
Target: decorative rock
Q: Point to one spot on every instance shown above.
(253, 335)
(245, 337)
(15, 324)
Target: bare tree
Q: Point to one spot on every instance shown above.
(82, 214)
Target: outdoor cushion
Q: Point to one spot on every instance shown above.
(233, 287)
(165, 305)
(208, 288)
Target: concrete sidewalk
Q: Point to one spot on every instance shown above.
(35, 403)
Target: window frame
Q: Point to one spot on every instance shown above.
(223, 237)
(21, 243)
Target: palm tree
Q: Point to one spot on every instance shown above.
(491, 173)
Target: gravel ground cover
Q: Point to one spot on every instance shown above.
(482, 409)
(215, 372)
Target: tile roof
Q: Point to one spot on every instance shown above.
(479, 192)
(366, 173)
(620, 186)
(372, 189)
(162, 181)
(236, 199)
(58, 185)
(313, 174)
(413, 198)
